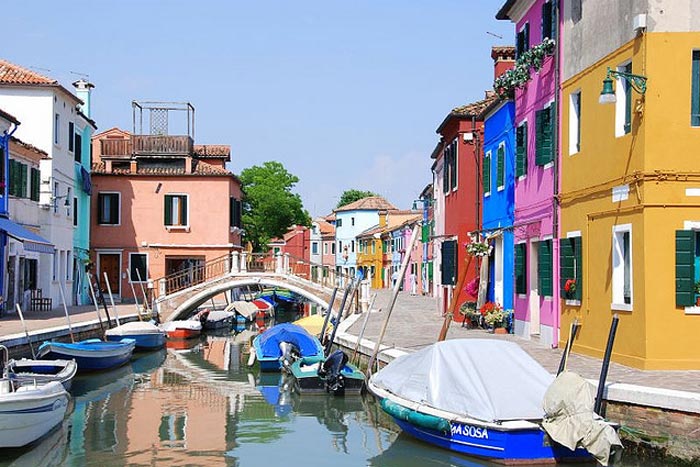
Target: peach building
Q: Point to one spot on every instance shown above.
(160, 204)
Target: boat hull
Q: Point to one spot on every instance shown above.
(90, 355)
(183, 333)
(25, 371)
(148, 341)
(30, 413)
(307, 381)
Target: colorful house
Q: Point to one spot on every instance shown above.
(162, 205)
(328, 241)
(296, 245)
(630, 217)
(536, 303)
(458, 158)
(498, 179)
(426, 204)
(370, 255)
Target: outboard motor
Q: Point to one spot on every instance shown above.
(331, 369)
(290, 353)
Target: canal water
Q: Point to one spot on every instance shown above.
(198, 403)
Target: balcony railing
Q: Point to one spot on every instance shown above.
(162, 145)
(116, 147)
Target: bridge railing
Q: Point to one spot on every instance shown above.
(193, 275)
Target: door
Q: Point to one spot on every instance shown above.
(110, 263)
(11, 286)
(498, 271)
(534, 295)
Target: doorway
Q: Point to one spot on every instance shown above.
(498, 271)
(110, 263)
(533, 293)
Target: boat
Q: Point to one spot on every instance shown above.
(90, 354)
(283, 343)
(27, 371)
(314, 324)
(321, 375)
(29, 412)
(265, 308)
(477, 397)
(183, 329)
(275, 296)
(247, 311)
(147, 335)
(216, 319)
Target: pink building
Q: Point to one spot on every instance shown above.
(161, 205)
(536, 247)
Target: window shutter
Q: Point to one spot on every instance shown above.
(566, 264)
(520, 270)
(538, 137)
(449, 262)
(544, 257)
(628, 101)
(578, 258)
(453, 172)
(23, 181)
(526, 37)
(547, 20)
(168, 210)
(486, 176)
(35, 180)
(500, 167)
(11, 184)
(685, 268)
(445, 172)
(544, 132)
(183, 210)
(78, 148)
(695, 90)
(519, 151)
(114, 209)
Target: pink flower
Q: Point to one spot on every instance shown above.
(472, 287)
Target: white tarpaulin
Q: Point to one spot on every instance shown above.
(486, 379)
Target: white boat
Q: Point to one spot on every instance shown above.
(29, 412)
(27, 371)
(184, 329)
(147, 335)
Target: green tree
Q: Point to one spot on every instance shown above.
(270, 207)
(350, 196)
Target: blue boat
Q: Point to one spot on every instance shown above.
(148, 336)
(285, 341)
(478, 397)
(91, 354)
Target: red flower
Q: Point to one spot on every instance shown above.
(570, 286)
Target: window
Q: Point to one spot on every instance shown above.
(374, 247)
(30, 273)
(340, 245)
(501, 167)
(522, 40)
(449, 262)
(339, 222)
(176, 210)
(138, 267)
(56, 129)
(449, 173)
(333, 248)
(544, 135)
(108, 208)
(314, 248)
(78, 148)
(544, 268)
(520, 270)
(71, 136)
(352, 221)
(54, 273)
(687, 266)
(75, 212)
(571, 266)
(35, 179)
(695, 90)
(18, 179)
(352, 246)
(235, 212)
(521, 150)
(453, 167)
(622, 267)
(574, 122)
(325, 248)
(486, 173)
(623, 106)
(549, 26)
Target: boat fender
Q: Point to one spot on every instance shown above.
(415, 418)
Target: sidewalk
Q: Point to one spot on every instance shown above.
(415, 324)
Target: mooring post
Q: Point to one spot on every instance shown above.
(606, 364)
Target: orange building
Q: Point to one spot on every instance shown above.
(160, 205)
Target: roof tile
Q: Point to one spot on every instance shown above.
(371, 203)
(15, 74)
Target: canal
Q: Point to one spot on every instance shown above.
(197, 403)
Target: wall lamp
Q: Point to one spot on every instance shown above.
(607, 95)
(54, 200)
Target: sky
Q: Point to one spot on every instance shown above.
(346, 94)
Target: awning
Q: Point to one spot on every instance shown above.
(31, 241)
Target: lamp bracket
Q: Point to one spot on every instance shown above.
(638, 82)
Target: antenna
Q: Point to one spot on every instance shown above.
(494, 34)
(82, 75)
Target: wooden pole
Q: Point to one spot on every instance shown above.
(111, 299)
(65, 309)
(143, 290)
(26, 333)
(455, 300)
(394, 296)
(348, 291)
(606, 364)
(133, 292)
(97, 308)
(364, 326)
(329, 311)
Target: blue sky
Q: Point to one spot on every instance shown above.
(344, 94)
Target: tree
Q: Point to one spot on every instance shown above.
(270, 207)
(350, 196)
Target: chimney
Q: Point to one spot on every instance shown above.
(383, 218)
(83, 91)
(503, 59)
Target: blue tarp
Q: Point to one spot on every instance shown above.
(31, 241)
(269, 341)
(87, 181)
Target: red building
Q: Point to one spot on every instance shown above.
(459, 156)
(294, 243)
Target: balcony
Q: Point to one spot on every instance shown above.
(151, 145)
(116, 148)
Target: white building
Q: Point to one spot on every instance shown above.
(50, 119)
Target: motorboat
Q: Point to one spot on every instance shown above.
(25, 371)
(147, 335)
(282, 343)
(333, 375)
(216, 319)
(28, 412)
(90, 354)
(182, 329)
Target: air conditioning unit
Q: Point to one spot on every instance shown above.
(639, 22)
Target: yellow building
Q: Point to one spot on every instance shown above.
(369, 256)
(630, 188)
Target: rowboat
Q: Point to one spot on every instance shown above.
(216, 319)
(147, 335)
(91, 354)
(29, 371)
(327, 375)
(29, 412)
(184, 329)
(284, 342)
(483, 398)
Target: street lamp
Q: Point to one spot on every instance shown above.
(607, 94)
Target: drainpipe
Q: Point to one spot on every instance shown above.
(557, 154)
(5, 208)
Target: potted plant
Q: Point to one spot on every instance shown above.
(494, 317)
(570, 288)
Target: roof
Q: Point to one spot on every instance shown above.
(325, 227)
(15, 75)
(475, 109)
(113, 130)
(504, 12)
(212, 151)
(29, 147)
(437, 150)
(503, 51)
(396, 219)
(199, 168)
(9, 117)
(371, 203)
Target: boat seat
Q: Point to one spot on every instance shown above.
(39, 303)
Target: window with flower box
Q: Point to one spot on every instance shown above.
(570, 267)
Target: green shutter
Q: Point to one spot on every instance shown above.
(168, 210)
(520, 154)
(544, 122)
(685, 267)
(183, 210)
(449, 262)
(628, 100)
(500, 167)
(445, 172)
(695, 90)
(567, 263)
(520, 269)
(578, 258)
(486, 176)
(454, 172)
(23, 181)
(544, 256)
(425, 233)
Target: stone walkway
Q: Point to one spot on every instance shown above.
(415, 323)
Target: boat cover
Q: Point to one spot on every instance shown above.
(134, 327)
(269, 341)
(571, 421)
(486, 379)
(219, 315)
(245, 309)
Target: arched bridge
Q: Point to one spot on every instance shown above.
(180, 293)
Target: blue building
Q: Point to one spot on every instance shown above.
(499, 198)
